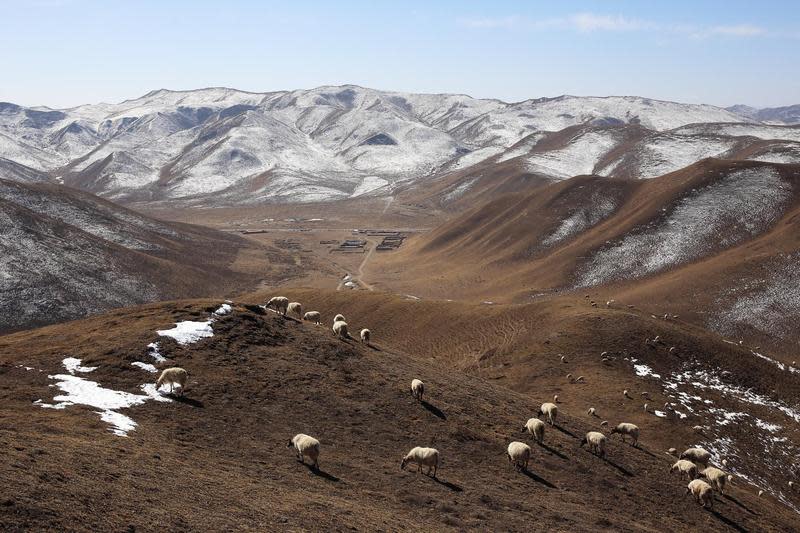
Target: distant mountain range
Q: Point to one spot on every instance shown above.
(226, 147)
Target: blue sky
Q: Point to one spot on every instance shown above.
(67, 52)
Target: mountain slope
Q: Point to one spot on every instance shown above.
(217, 459)
(66, 254)
(223, 146)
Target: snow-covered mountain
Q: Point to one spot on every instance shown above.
(229, 147)
(773, 115)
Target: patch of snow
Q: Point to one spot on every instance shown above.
(581, 218)
(188, 331)
(224, 309)
(459, 191)
(743, 203)
(368, 184)
(144, 366)
(73, 364)
(152, 349)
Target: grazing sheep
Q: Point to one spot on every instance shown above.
(279, 303)
(536, 428)
(657, 339)
(338, 318)
(313, 316)
(702, 492)
(608, 303)
(563, 359)
(603, 354)
(591, 412)
(173, 376)
(697, 456)
(604, 423)
(716, 477)
(646, 395)
(305, 446)
(596, 442)
(422, 457)
(625, 428)
(580, 379)
(417, 389)
(730, 479)
(295, 309)
(791, 486)
(698, 429)
(645, 407)
(549, 409)
(673, 452)
(760, 493)
(569, 378)
(625, 393)
(518, 454)
(685, 467)
(365, 335)
(724, 462)
(555, 398)
(340, 329)
(672, 350)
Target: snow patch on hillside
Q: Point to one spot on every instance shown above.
(580, 155)
(188, 331)
(582, 218)
(740, 205)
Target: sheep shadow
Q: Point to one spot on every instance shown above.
(451, 486)
(188, 401)
(648, 452)
(554, 451)
(727, 521)
(538, 479)
(622, 469)
(565, 431)
(433, 410)
(320, 473)
(737, 502)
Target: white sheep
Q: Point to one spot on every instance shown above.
(173, 376)
(626, 428)
(625, 393)
(698, 429)
(603, 354)
(365, 335)
(672, 350)
(551, 410)
(682, 466)
(519, 454)
(563, 359)
(340, 329)
(580, 379)
(305, 446)
(280, 303)
(760, 493)
(535, 427)
(724, 462)
(296, 309)
(673, 452)
(555, 398)
(646, 395)
(645, 407)
(338, 318)
(791, 486)
(608, 303)
(417, 389)
(702, 492)
(716, 477)
(591, 412)
(569, 378)
(596, 442)
(422, 457)
(697, 456)
(604, 423)
(313, 316)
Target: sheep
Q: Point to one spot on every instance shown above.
(724, 462)
(603, 354)
(716, 477)
(280, 303)
(580, 379)
(760, 493)
(173, 376)
(551, 410)
(645, 407)
(604, 423)
(608, 303)
(791, 486)
(563, 359)
(696, 455)
(702, 492)
(338, 318)
(518, 454)
(698, 429)
(417, 389)
(305, 446)
(365, 335)
(673, 452)
(682, 466)
(535, 427)
(657, 339)
(555, 398)
(672, 350)
(340, 329)
(596, 442)
(569, 378)
(591, 412)
(422, 457)
(296, 309)
(645, 395)
(631, 430)
(312, 316)
(625, 393)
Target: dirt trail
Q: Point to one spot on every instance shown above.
(358, 277)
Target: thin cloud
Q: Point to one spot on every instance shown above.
(593, 22)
